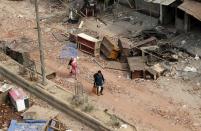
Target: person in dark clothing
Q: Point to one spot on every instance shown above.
(98, 82)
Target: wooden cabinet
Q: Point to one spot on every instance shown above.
(88, 44)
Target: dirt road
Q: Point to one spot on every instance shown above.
(150, 105)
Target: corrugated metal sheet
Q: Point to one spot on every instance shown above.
(192, 7)
(162, 2)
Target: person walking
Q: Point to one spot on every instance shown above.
(73, 64)
(98, 82)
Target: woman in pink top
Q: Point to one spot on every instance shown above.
(73, 63)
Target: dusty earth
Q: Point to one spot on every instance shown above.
(167, 104)
(43, 110)
(47, 112)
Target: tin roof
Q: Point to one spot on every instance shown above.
(192, 7)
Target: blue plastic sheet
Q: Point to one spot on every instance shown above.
(28, 125)
(68, 51)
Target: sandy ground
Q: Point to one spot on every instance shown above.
(162, 105)
(43, 111)
(47, 112)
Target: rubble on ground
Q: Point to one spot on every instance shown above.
(157, 52)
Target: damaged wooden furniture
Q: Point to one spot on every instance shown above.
(152, 41)
(137, 67)
(88, 44)
(155, 71)
(109, 48)
(125, 48)
(149, 57)
(130, 49)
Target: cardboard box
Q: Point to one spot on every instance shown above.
(19, 99)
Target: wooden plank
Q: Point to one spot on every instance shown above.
(49, 73)
(149, 41)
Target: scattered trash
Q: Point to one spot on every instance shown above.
(69, 130)
(37, 113)
(158, 69)
(190, 69)
(6, 114)
(81, 24)
(55, 125)
(29, 115)
(128, 76)
(197, 57)
(124, 126)
(184, 106)
(183, 42)
(73, 17)
(5, 87)
(20, 16)
(158, 32)
(19, 99)
(175, 56)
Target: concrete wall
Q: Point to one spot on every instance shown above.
(148, 7)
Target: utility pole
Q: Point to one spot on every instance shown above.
(40, 45)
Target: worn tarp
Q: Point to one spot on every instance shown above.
(28, 125)
(68, 51)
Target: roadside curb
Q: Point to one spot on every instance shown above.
(46, 96)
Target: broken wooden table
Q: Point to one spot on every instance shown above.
(137, 67)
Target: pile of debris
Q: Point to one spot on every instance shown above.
(37, 125)
(6, 114)
(145, 57)
(16, 112)
(20, 50)
(147, 53)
